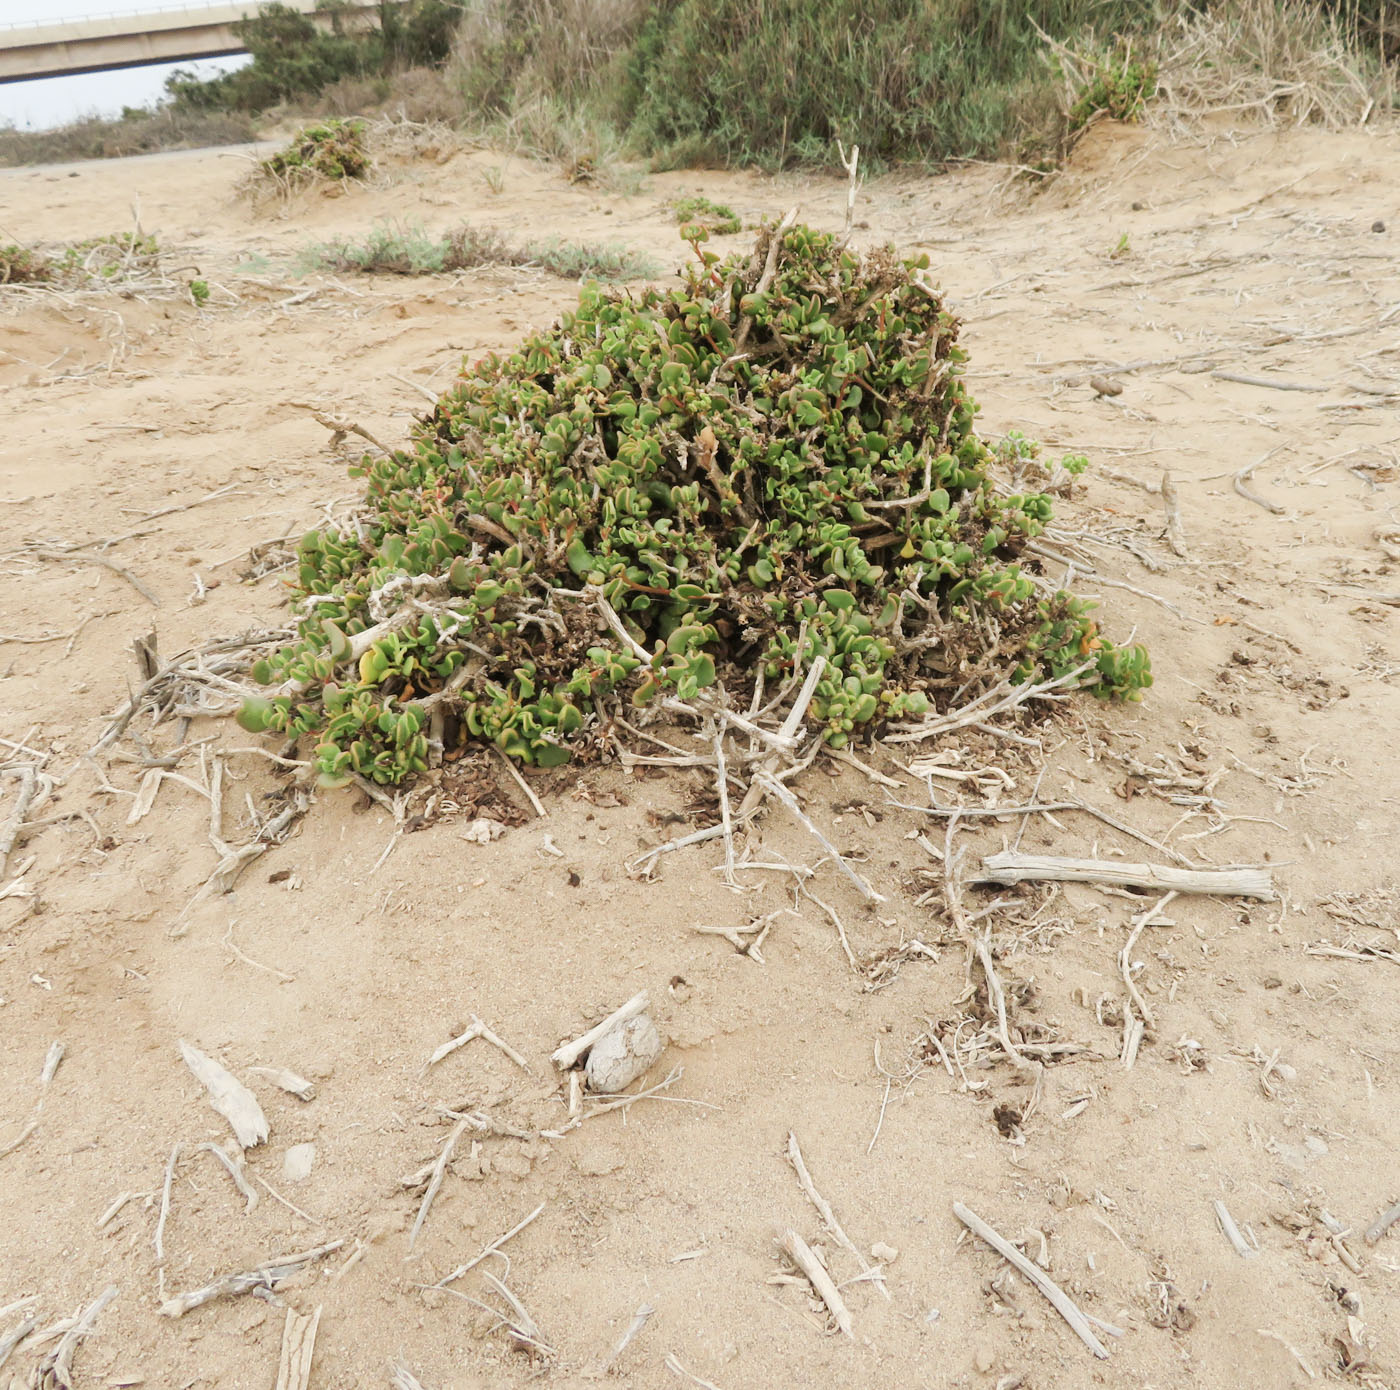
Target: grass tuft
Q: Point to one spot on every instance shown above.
(407, 249)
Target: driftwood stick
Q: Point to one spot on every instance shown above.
(488, 1250)
(46, 1074)
(827, 1215)
(298, 1348)
(265, 1276)
(769, 783)
(800, 1253)
(1125, 956)
(235, 1171)
(1063, 1304)
(1232, 1232)
(165, 1202)
(28, 785)
(535, 803)
(726, 819)
(568, 1056)
(1171, 505)
(229, 1096)
(1242, 477)
(15, 1336)
(1009, 867)
(401, 1378)
(997, 995)
(435, 1181)
(639, 1321)
(55, 1371)
(478, 1030)
(1270, 382)
(1382, 1224)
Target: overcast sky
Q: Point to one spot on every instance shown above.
(55, 100)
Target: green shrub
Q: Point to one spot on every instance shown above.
(773, 81)
(293, 57)
(21, 265)
(715, 218)
(333, 150)
(1117, 84)
(739, 474)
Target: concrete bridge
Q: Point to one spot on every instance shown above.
(160, 35)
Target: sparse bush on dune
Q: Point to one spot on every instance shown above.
(770, 467)
(399, 249)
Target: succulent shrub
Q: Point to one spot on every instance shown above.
(717, 218)
(22, 265)
(772, 460)
(331, 149)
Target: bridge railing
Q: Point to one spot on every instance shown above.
(143, 9)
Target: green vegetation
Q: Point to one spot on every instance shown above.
(1117, 84)
(776, 83)
(293, 58)
(331, 150)
(22, 265)
(715, 218)
(774, 461)
(117, 258)
(199, 293)
(395, 249)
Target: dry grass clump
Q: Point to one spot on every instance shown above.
(1294, 63)
(397, 249)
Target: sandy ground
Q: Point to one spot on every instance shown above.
(1269, 1079)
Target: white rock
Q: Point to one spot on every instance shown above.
(618, 1058)
(297, 1162)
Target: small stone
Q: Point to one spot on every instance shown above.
(1378, 225)
(297, 1162)
(619, 1057)
(886, 1254)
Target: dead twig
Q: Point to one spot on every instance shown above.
(74, 557)
(165, 1202)
(639, 1321)
(1245, 882)
(1232, 1232)
(800, 1253)
(1171, 505)
(55, 1371)
(46, 1074)
(9, 835)
(1242, 477)
(1061, 1301)
(235, 1171)
(568, 1056)
(435, 1181)
(229, 1096)
(804, 1178)
(489, 1250)
(478, 1030)
(266, 1276)
(298, 1349)
(1382, 1224)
